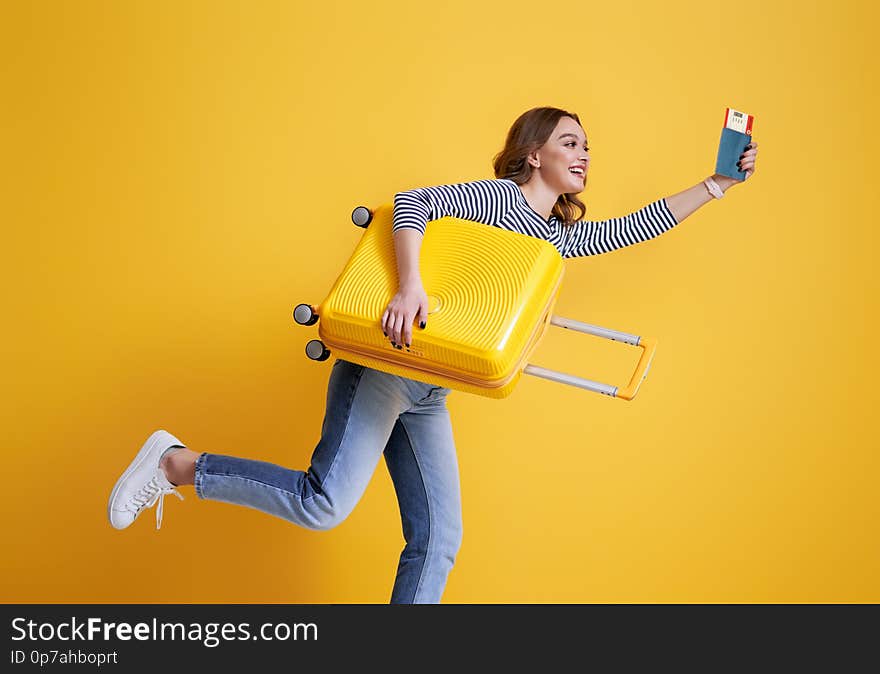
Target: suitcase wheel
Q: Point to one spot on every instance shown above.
(361, 216)
(305, 315)
(316, 350)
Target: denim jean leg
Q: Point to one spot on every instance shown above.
(422, 461)
(362, 408)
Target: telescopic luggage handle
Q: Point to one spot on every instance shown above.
(648, 346)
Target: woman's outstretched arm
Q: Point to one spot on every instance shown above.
(594, 237)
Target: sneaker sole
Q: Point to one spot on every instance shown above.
(157, 439)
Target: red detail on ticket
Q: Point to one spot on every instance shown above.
(738, 121)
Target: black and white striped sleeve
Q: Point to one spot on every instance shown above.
(588, 237)
(483, 201)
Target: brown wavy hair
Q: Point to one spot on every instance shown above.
(529, 132)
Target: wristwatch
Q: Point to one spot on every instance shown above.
(713, 188)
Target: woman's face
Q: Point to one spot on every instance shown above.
(563, 160)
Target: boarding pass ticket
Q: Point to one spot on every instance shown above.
(738, 121)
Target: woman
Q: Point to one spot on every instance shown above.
(541, 169)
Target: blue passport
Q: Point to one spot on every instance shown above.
(735, 136)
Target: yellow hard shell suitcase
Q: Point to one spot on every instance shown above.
(491, 294)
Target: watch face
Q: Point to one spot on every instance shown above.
(713, 188)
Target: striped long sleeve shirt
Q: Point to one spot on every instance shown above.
(500, 203)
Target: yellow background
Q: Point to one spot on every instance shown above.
(178, 176)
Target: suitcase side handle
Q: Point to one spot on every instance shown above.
(647, 344)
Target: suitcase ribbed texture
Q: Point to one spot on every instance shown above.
(490, 294)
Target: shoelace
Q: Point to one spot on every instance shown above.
(151, 492)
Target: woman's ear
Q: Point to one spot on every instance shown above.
(534, 161)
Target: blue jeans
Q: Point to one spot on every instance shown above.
(368, 413)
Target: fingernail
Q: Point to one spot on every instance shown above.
(748, 147)
(398, 346)
(741, 156)
(409, 345)
(422, 325)
(384, 333)
(739, 164)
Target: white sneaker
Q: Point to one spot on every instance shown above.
(143, 483)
